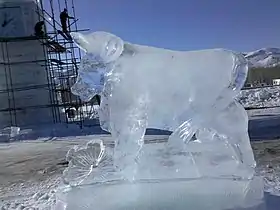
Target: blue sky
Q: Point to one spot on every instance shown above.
(242, 25)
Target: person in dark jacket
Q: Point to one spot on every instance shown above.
(98, 99)
(39, 29)
(63, 20)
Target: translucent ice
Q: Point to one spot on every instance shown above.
(87, 162)
(193, 94)
(189, 93)
(200, 194)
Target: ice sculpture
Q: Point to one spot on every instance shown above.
(191, 94)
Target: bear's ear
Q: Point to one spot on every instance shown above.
(102, 46)
(81, 40)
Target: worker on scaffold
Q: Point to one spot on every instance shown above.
(63, 20)
(39, 32)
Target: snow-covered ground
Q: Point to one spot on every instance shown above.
(260, 97)
(30, 171)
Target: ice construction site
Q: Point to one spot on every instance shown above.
(162, 137)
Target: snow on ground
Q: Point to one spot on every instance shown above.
(260, 113)
(30, 171)
(267, 155)
(260, 97)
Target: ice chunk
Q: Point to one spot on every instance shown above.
(103, 47)
(190, 93)
(9, 133)
(200, 194)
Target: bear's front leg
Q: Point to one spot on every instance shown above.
(128, 127)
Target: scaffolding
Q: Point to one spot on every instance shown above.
(52, 60)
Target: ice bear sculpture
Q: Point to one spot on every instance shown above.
(190, 93)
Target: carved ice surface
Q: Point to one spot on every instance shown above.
(191, 93)
(88, 162)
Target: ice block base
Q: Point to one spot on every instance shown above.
(183, 194)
